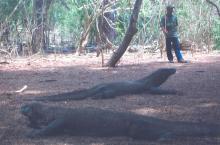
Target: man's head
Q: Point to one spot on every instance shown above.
(169, 9)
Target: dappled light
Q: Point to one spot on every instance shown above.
(206, 105)
(147, 111)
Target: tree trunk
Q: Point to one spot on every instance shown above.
(89, 20)
(37, 20)
(40, 11)
(128, 35)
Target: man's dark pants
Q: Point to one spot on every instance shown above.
(173, 42)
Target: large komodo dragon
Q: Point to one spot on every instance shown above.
(148, 84)
(49, 121)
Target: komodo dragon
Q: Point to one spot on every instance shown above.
(53, 120)
(149, 84)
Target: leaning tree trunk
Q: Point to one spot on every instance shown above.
(128, 35)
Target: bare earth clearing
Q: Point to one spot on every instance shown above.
(199, 81)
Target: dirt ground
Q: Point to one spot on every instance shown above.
(198, 81)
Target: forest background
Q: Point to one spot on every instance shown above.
(32, 26)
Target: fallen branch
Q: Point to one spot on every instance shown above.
(22, 89)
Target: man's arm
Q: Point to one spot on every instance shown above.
(176, 22)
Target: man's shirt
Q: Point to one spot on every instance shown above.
(170, 24)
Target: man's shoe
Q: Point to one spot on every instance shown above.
(171, 61)
(183, 61)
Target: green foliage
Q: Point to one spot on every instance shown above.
(196, 18)
(64, 20)
(216, 33)
(6, 7)
(120, 29)
(70, 21)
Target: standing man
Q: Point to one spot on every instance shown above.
(169, 27)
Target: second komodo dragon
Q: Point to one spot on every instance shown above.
(148, 84)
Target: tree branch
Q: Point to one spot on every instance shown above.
(217, 8)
